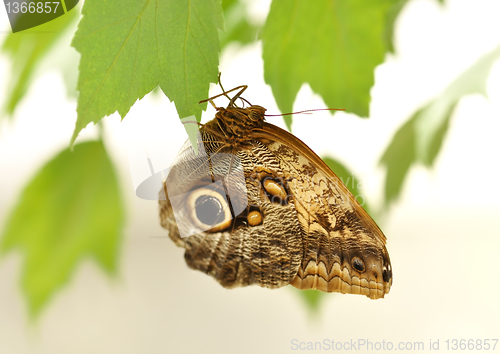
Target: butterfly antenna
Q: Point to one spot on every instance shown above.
(306, 111)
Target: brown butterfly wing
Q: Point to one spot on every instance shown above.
(268, 254)
(344, 249)
(317, 238)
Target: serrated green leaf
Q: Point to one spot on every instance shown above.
(27, 49)
(348, 179)
(71, 210)
(129, 47)
(420, 139)
(334, 45)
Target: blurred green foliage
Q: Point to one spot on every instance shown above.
(313, 300)
(420, 139)
(71, 210)
(26, 50)
(238, 27)
(390, 20)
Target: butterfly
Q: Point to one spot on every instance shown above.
(255, 205)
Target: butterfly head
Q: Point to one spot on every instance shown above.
(234, 124)
(256, 113)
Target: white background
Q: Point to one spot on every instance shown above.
(443, 235)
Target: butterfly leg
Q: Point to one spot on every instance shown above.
(231, 100)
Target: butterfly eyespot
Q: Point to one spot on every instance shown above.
(254, 218)
(209, 210)
(276, 191)
(386, 274)
(358, 264)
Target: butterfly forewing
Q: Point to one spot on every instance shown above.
(241, 254)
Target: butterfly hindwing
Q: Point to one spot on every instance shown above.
(344, 250)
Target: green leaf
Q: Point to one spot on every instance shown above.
(238, 28)
(349, 180)
(129, 47)
(334, 45)
(27, 49)
(70, 211)
(420, 139)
